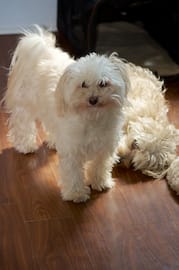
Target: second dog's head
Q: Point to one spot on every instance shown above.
(92, 83)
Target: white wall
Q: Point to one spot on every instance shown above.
(16, 15)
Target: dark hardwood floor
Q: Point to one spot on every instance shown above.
(134, 226)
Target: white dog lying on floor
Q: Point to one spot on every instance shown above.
(149, 141)
(82, 105)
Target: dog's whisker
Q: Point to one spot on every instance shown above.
(115, 95)
(116, 98)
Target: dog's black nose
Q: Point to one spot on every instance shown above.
(93, 100)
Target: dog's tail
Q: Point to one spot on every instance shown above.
(172, 175)
(33, 47)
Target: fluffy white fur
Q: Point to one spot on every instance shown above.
(149, 140)
(78, 102)
(82, 105)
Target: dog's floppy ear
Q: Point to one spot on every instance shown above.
(120, 66)
(62, 92)
(59, 97)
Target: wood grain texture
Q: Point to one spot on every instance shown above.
(131, 227)
(15, 246)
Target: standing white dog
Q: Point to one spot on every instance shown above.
(78, 102)
(82, 105)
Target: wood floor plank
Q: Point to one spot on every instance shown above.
(15, 248)
(35, 189)
(142, 200)
(149, 247)
(30, 181)
(58, 243)
(96, 242)
(6, 161)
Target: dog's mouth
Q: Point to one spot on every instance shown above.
(86, 107)
(96, 102)
(94, 105)
(98, 105)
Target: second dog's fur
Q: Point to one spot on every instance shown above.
(149, 140)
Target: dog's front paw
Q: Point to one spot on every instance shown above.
(77, 195)
(103, 184)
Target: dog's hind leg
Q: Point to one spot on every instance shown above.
(50, 140)
(22, 130)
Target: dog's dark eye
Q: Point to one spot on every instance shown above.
(103, 84)
(84, 85)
